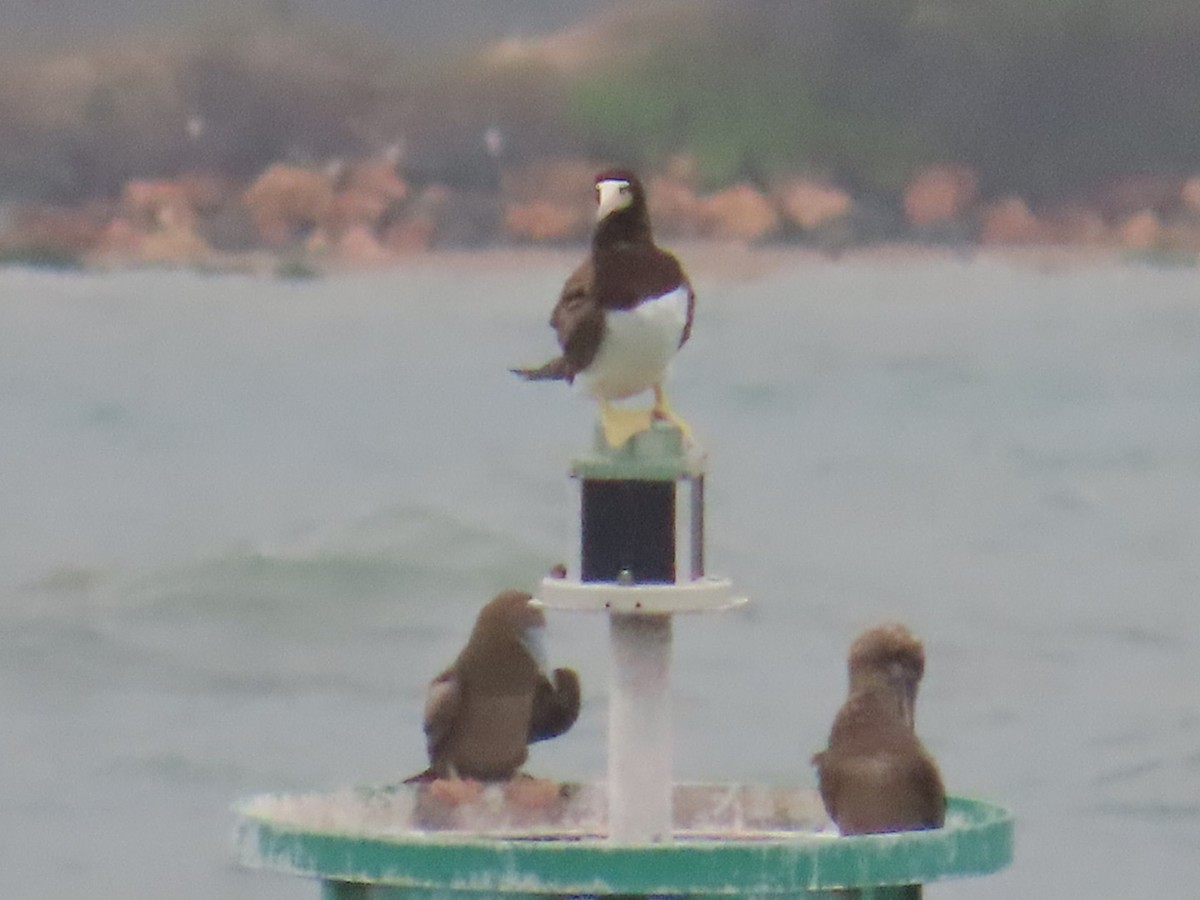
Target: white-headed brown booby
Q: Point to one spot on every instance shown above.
(495, 699)
(623, 314)
(876, 776)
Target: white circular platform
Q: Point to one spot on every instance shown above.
(701, 595)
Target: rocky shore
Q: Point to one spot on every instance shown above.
(296, 220)
(275, 143)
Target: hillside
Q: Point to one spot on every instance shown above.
(1080, 112)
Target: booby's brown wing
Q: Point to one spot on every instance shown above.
(555, 706)
(929, 807)
(579, 324)
(443, 703)
(578, 320)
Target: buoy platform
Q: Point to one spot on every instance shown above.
(729, 841)
(640, 563)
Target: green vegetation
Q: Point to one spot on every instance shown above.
(753, 93)
(1041, 97)
(1164, 258)
(40, 258)
(296, 269)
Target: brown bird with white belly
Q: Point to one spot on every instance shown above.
(623, 314)
(876, 775)
(495, 699)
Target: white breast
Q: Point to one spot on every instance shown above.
(638, 344)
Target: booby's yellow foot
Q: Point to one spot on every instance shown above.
(619, 424)
(662, 412)
(669, 415)
(456, 791)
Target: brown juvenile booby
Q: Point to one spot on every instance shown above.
(483, 711)
(876, 776)
(623, 314)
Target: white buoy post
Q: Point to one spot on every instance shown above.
(639, 729)
(641, 561)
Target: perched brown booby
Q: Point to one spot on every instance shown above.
(876, 776)
(495, 699)
(623, 314)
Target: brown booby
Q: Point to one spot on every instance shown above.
(623, 314)
(876, 776)
(483, 711)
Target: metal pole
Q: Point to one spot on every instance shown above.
(639, 733)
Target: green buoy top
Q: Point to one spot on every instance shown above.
(731, 840)
(657, 454)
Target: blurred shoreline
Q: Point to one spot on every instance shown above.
(294, 221)
(270, 141)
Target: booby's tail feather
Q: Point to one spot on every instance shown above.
(422, 777)
(555, 370)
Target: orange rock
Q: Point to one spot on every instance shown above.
(567, 181)
(172, 247)
(1077, 226)
(549, 201)
(1183, 236)
(1141, 231)
(359, 247)
(1189, 195)
(318, 242)
(940, 194)
(545, 221)
(739, 213)
(683, 168)
(119, 238)
(674, 207)
(409, 236)
(286, 199)
(206, 192)
(124, 243)
(810, 204)
(158, 205)
(414, 227)
(1009, 221)
(355, 207)
(66, 232)
(1133, 194)
(376, 178)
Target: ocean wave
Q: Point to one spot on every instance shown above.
(341, 607)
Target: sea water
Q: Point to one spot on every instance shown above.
(243, 522)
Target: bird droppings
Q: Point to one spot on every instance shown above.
(536, 809)
(726, 840)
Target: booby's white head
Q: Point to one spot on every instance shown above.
(612, 194)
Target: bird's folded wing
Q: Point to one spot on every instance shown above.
(930, 805)
(578, 320)
(442, 705)
(555, 706)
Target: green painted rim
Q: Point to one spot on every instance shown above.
(977, 840)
